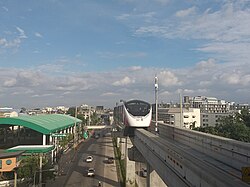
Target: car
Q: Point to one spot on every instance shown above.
(89, 159)
(91, 172)
(110, 160)
(144, 172)
(108, 134)
(97, 136)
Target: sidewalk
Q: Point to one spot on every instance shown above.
(64, 165)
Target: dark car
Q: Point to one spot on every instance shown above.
(110, 160)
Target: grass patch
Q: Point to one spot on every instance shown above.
(120, 164)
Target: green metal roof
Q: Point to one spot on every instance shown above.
(44, 123)
(31, 148)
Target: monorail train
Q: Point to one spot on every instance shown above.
(133, 114)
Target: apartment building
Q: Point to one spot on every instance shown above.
(211, 108)
(185, 117)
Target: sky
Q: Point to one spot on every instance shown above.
(95, 52)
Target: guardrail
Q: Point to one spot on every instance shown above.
(231, 152)
(178, 166)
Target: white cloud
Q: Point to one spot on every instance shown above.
(21, 33)
(168, 78)
(5, 8)
(186, 12)
(10, 82)
(125, 81)
(123, 17)
(208, 64)
(135, 68)
(110, 55)
(163, 2)
(37, 34)
(222, 80)
(15, 41)
(109, 94)
(224, 31)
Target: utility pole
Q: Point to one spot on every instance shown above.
(156, 104)
(181, 111)
(89, 115)
(75, 127)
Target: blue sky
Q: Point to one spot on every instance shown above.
(58, 52)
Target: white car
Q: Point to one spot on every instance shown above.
(91, 172)
(144, 172)
(89, 159)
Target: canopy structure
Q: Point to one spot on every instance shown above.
(31, 149)
(44, 123)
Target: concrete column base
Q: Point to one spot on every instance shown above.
(130, 166)
(153, 179)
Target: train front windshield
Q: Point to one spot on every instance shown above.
(137, 108)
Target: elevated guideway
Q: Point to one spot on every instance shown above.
(183, 157)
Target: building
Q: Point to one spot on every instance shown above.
(8, 112)
(9, 161)
(188, 118)
(211, 108)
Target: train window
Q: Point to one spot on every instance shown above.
(137, 108)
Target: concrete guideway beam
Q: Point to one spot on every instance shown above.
(166, 172)
(178, 167)
(231, 152)
(153, 179)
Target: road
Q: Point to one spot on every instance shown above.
(141, 181)
(76, 176)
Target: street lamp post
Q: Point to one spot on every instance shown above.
(40, 171)
(156, 103)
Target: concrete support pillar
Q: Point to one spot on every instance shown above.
(153, 179)
(130, 165)
(18, 133)
(118, 142)
(44, 139)
(50, 140)
(5, 136)
(51, 143)
(122, 144)
(56, 149)
(41, 162)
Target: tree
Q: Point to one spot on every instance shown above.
(244, 116)
(30, 166)
(72, 111)
(95, 119)
(233, 126)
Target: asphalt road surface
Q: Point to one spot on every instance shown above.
(76, 170)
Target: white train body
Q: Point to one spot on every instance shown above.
(133, 113)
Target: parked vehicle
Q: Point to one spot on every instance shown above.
(144, 172)
(110, 160)
(91, 172)
(89, 159)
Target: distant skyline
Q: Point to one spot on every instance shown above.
(58, 52)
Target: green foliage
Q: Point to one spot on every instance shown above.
(72, 111)
(65, 140)
(28, 167)
(120, 164)
(95, 119)
(234, 126)
(82, 117)
(244, 116)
